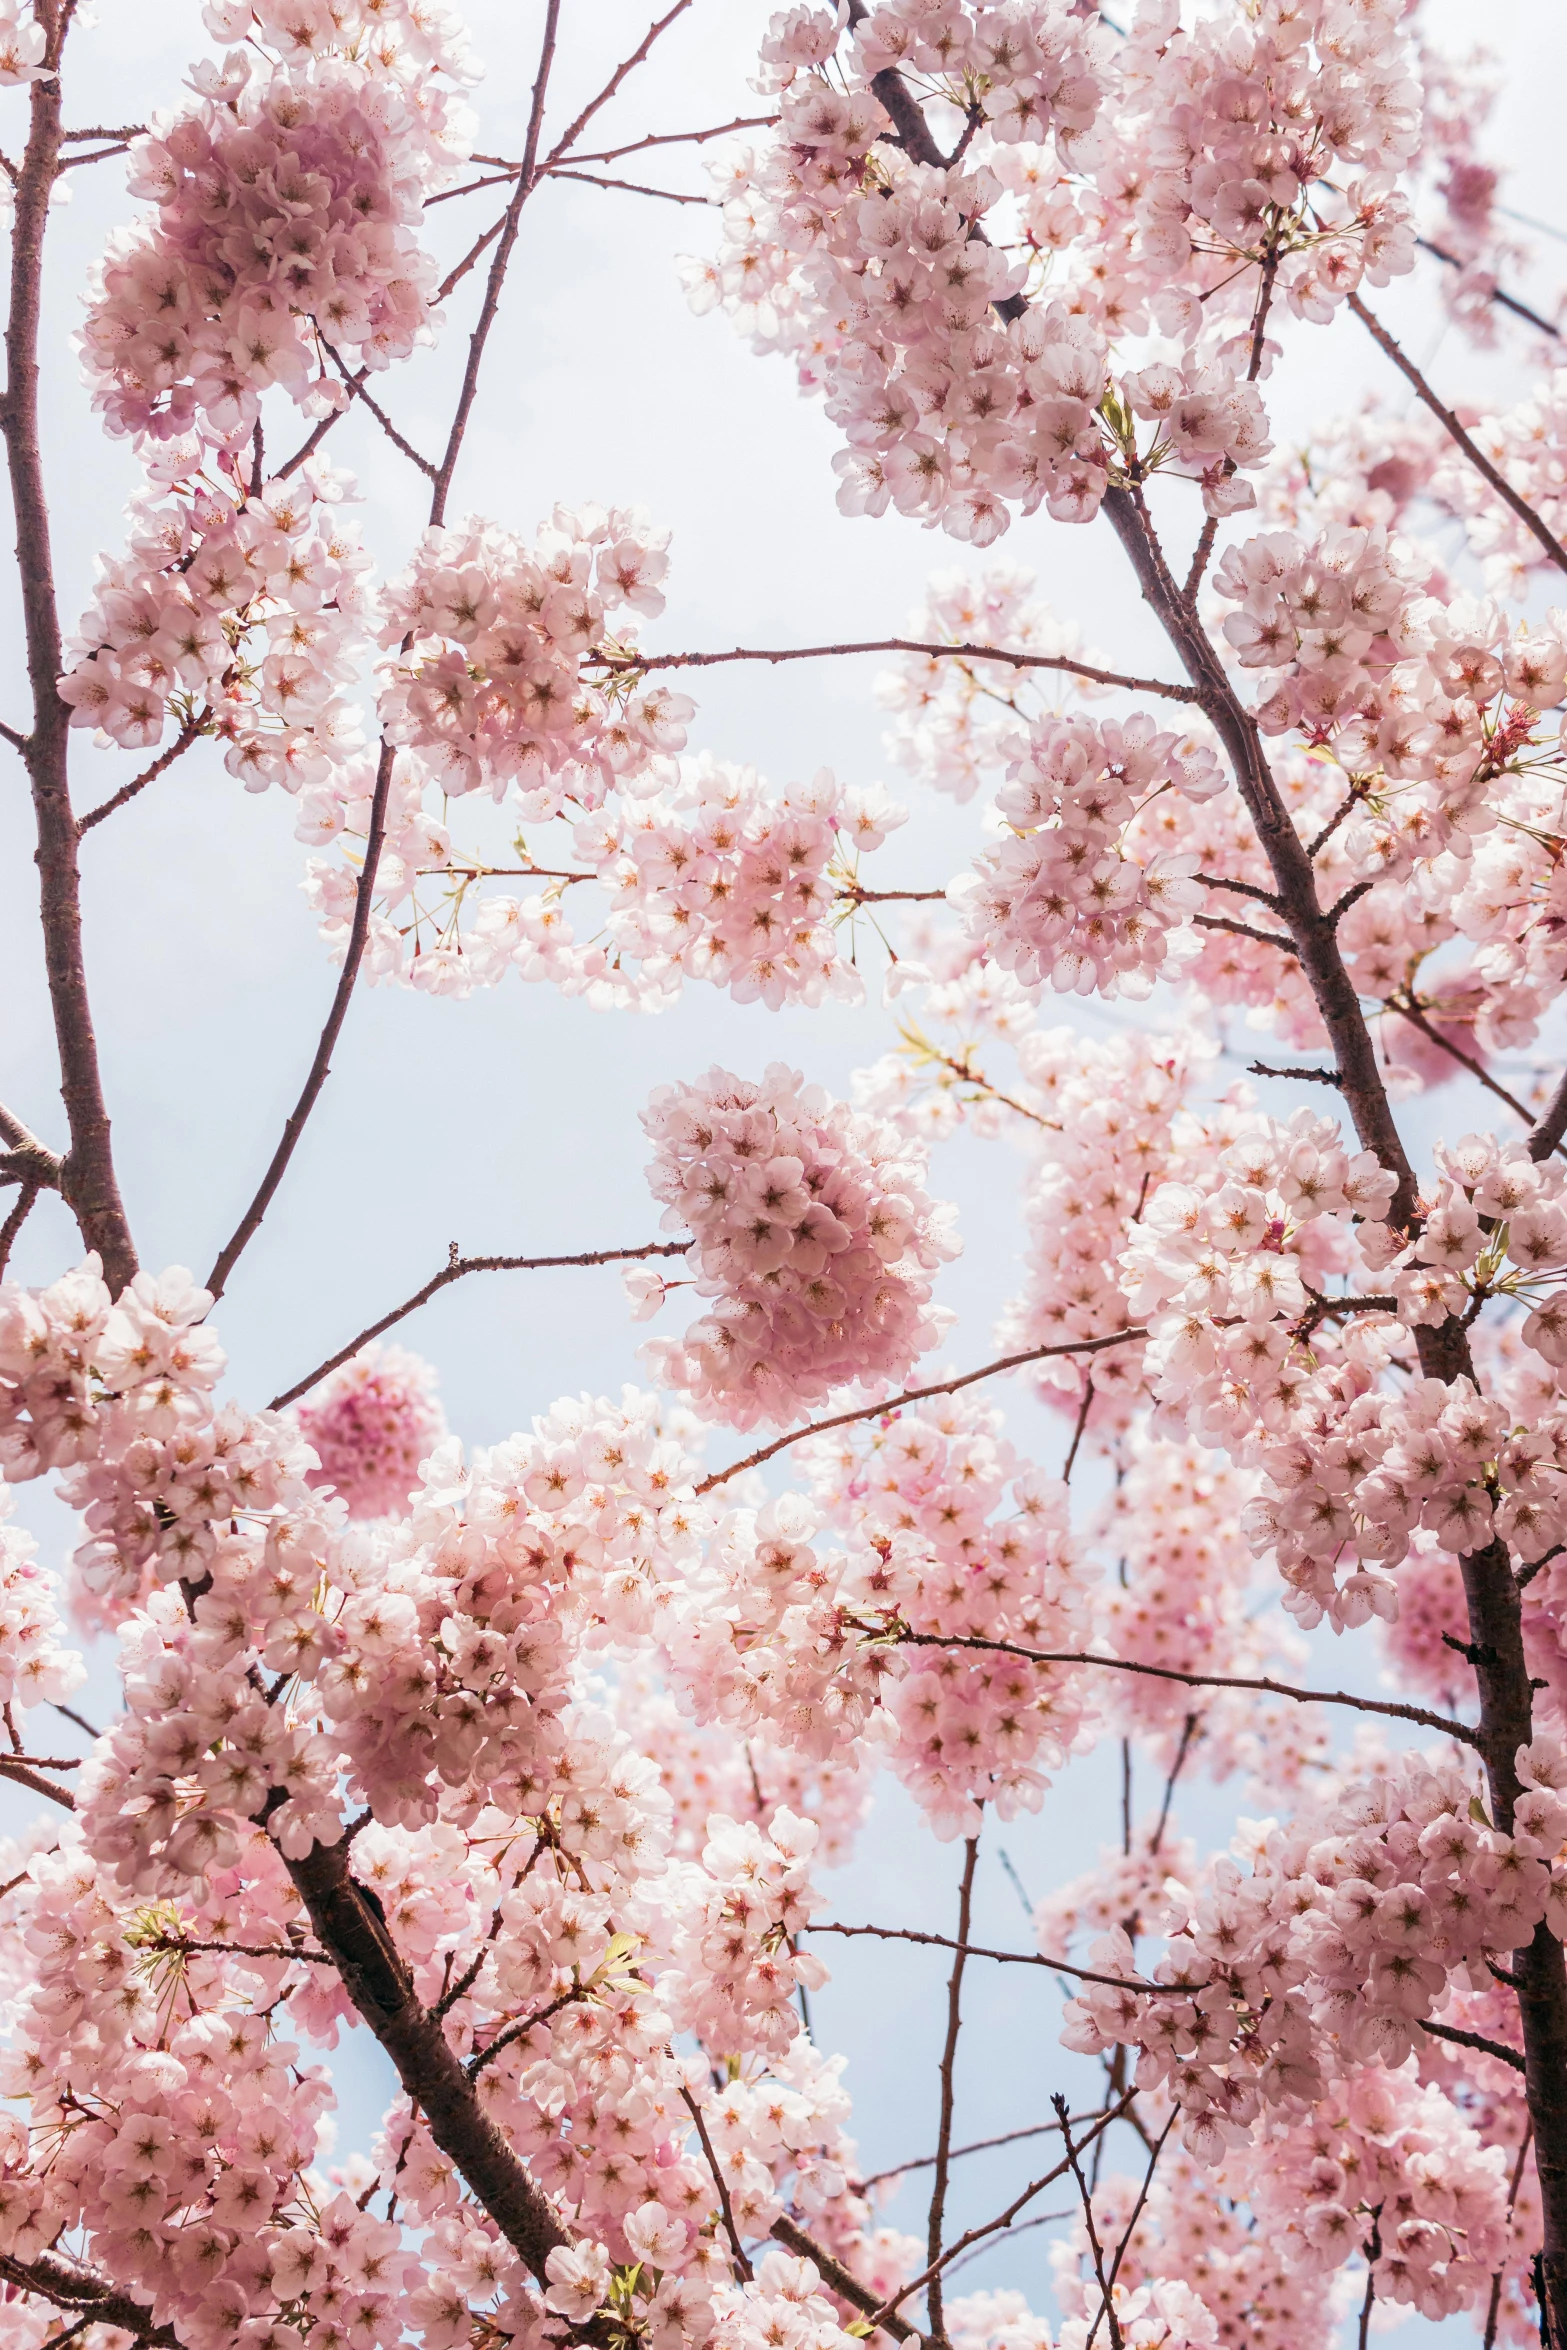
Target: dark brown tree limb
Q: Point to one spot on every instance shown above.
(1449, 422)
(839, 2280)
(1551, 1125)
(381, 1989)
(457, 1268)
(78, 2290)
(321, 1066)
(89, 1183)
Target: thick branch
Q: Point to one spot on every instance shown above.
(893, 1403)
(1450, 424)
(89, 1183)
(381, 1988)
(646, 662)
(457, 1268)
(321, 1067)
(10, 1768)
(82, 2293)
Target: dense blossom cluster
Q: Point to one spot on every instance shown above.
(283, 237)
(487, 687)
(1061, 901)
(814, 1241)
(959, 319)
(372, 1425)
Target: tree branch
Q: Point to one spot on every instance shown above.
(1122, 1664)
(724, 2204)
(1547, 1132)
(457, 1268)
(78, 2289)
(89, 1184)
(564, 144)
(977, 2146)
(1005, 2218)
(949, 2053)
(1496, 2048)
(507, 233)
(848, 2287)
(165, 759)
(10, 1768)
(647, 662)
(321, 1067)
(1455, 431)
(893, 1403)
(1058, 1966)
(1410, 1011)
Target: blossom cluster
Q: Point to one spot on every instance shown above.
(486, 686)
(1060, 900)
(814, 1242)
(1334, 1950)
(372, 1425)
(283, 237)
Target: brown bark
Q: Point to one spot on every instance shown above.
(1495, 1628)
(381, 1988)
(88, 1180)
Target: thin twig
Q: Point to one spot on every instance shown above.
(646, 662)
(1497, 2048)
(127, 791)
(1410, 1011)
(507, 235)
(355, 381)
(1307, 1076)
(945, 2073)
(1126, 1664)
(457, 1268)
(1081, 1974)
(1070, 1462)
(1188, 1732)
(720, 130)
(1264, 938)
(568, 140)
(1003, 2219)
(1445, 417)
(1106, 2306)
(321, 1066)
(1505, 300)
(1373, 2255)
(1130, 2228)
(588, 179)
(894, 1403)
(977, 2146)
(724, 2204)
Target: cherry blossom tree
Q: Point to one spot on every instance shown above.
(524, 1760)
